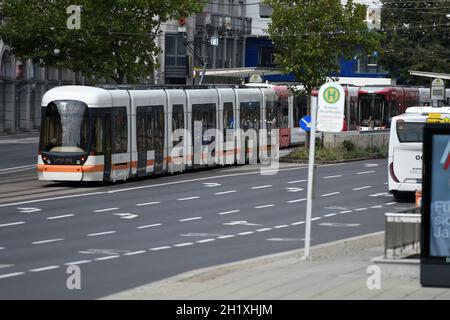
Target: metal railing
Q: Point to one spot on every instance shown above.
(402, 231)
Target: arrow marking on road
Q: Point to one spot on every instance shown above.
(28, 210)
(126, 215)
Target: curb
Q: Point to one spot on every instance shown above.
(327, 161)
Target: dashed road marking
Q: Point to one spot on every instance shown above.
(160, 248)
(205, 240)
(365, 172)
(107, 258)
(297, 223)
(377, 207)
(294, 189)
(297, 181)
(225, 192)
(316, 218)
(188, 198)
(281, 226)
(135, 253)
(327, 224)
(226, 236)
(362, 188)
(390, 203)
(77, 262)
(261, 187)
(100, 233)
(332, 177)
(61, 217)
(190, 219)
(265, 206)
(330, 194)
(360, 209)
(245, 233)
(105, 210)
(48, 241)
(9, 275)
(228, 212)
(12, 224)
(150, 226)
(297, 200)
(44, 269)
(330, 215)
(263, 229)
(148, 203)
(345, 211)
(185, 244)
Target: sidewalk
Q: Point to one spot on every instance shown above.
(338, 270)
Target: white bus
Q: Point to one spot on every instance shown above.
(405, 147)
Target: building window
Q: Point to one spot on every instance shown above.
(265, 11)
(175, 54)
(266, 57)
(367, 63)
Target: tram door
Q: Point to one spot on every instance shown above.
(150, 140)
(203, 119)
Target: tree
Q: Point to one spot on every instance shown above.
(311, 35)
(116, 40)
(417, 38)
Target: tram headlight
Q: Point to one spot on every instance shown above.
(48, 161)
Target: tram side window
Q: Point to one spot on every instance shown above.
(228, 117)
(250, 116)
(271, 115)
(120, 130)
(299, 109)
(158, 116)
(97, 133)
(283, 113)
(354, 117)
(177, 119)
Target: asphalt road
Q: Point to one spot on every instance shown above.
(126, 235)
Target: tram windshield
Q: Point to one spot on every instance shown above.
(65, 127)
(372, 110)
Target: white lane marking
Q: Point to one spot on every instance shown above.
(148, 203)
(188, 198)
(330, 194)
(331, 177)
(21, 167)
(224, 192)
(60, 217)
(211, 184)
(190, 219)
(226, 236)
(150, 226)
(47, 241)
(100, 233)
(245, 233)
(362, 188)
(297, 181)
(135, 253)
(9, 275)
(326, 224)
(44, 269)
(28, 210)
(345, 211)
(315, 219)
(390, 203)
(105, 210)
(294, 189)
(281, 226)
(261, 187)
(106, 258)
(366, 172)
(162, 184)
(360, 209)
(185, 244)
(380, 194)
(263, 229)
(371, 165)
(297, 223)
(228, 212)
(77, 262)
(330, 215)
(205, 240)
(297, 200)
(265, 206)
(2, 248)
(12, 224)
(160, 248)
(242, 223)
(376, 207)
(126, 215)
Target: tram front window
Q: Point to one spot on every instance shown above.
(65, 127)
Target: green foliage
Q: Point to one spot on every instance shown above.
(311, 35)
(417, 38)
(347, 152)
(116, 40)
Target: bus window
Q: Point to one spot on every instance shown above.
(408, 132)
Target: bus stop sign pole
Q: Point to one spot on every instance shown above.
(312, 149)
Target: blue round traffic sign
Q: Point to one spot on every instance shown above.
(305, 123)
